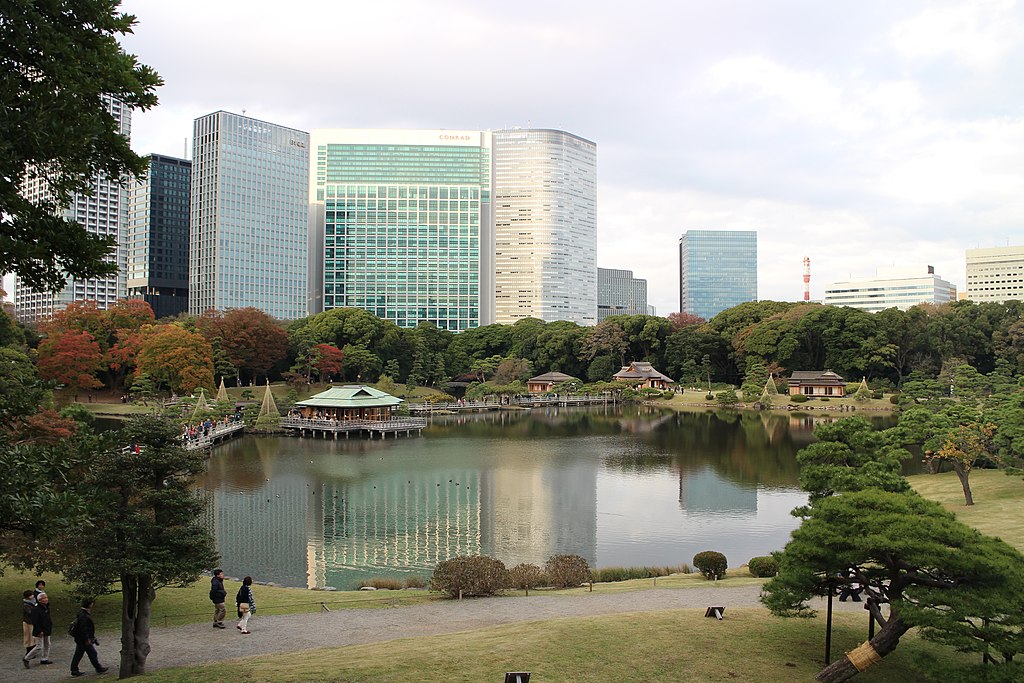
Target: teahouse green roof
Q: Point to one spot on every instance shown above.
(353, 396)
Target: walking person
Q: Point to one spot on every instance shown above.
(85, 640)
(218, 595)
(27, 604)
(42, 629)
(40, 588)
(246, 604)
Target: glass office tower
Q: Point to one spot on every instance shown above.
(103, 211)
(403, 225)
(545, 187)
(158, 209)
(249, 215)
(619, 293)
(717, 270)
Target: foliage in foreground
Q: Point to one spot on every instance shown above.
(469, 576)
(711, 564)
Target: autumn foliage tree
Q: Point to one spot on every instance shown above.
(253, 341)
(964, 445)
(180, 359)
(327, 359)
(73, 359)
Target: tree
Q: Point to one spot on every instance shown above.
(73, 359)
(681, 320)
(152, 533)
(57, 62)
(328, 360)
(964, 446)
(180, 359)
(512, 370)
(850, 455)
(252, 340)
(960, 587)
(605, 339)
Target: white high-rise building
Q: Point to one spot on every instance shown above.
(899, 288)
(104, 211)
(545, 207)
(248, 216)
(995, 275)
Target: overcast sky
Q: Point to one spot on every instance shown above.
(859, 134)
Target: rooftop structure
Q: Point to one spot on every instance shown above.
(899, 288)
(643, 374)
(996, 274)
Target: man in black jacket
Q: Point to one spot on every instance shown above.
(42, 629)
(218, 595)
(85, 639)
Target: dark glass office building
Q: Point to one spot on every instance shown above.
(717, 270)
(157, 241)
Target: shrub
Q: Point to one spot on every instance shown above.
(763, 567)
(384, 583)
(709, 396)
(611, 574)
(668, 395)
(877, 394)
(474, 575)
(798, 398)
(567, 571)
(711, 564)
(894, 399)
(526, 576)
(415, 581)
(651, 393)
(728, 397)
(824, 399)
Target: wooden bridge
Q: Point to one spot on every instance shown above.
(218, 433)
(402, 426)
(510, 403)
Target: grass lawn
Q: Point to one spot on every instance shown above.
(672, 645)
(998, 508)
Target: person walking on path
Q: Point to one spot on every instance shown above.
(40, 588)
(42, 628)
(246, 604)
(28, 603)
(85, 640)
(218, 595)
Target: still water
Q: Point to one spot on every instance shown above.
(621, 487)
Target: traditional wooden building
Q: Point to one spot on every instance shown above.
(546, 383)
(643, 375)
(815, 383)
(353, 402)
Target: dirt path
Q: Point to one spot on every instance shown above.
(200, 643)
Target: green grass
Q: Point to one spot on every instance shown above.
(998, 508)
(695, 400)
(671, 645)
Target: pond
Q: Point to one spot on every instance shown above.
(627, 486)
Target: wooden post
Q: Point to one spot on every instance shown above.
(828, 629)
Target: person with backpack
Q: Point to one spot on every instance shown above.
(83, 630)
(42, 629)
(218, 595)
(246, 605)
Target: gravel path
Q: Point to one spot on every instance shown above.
(200, 643)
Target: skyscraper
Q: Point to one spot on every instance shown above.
(104, 211)
(717, 270)
(545, 255)
(619, 293)
(995, 274)
(248, 231)
(403, 224)
(157, 240)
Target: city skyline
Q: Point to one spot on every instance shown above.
(875, 141)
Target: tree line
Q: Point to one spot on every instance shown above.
(124, 347)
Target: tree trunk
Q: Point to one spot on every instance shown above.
(137, 595)
(964, 476)
(884, 642)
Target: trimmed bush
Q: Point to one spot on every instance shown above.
(824, 399)
(877, 394)
(526, 576)
(711, 564)
(894, 399)
(415, 582)
(567, 571)
(387, 584)
(727, 397)
(763, 567)
(798, 398)
(611, 574)
(473, 576)
(709, 396)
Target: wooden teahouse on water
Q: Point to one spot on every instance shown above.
(354, 409)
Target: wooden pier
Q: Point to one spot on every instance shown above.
(512, 403)
(403, 426)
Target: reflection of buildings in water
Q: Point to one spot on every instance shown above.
(263, 533)
(704, 491)
(532, 513)
(395, 522)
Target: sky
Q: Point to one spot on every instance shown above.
(859, 134)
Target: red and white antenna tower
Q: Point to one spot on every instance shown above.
(807, 278)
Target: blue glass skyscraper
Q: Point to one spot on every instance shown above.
(248, 231)
(717, 270)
